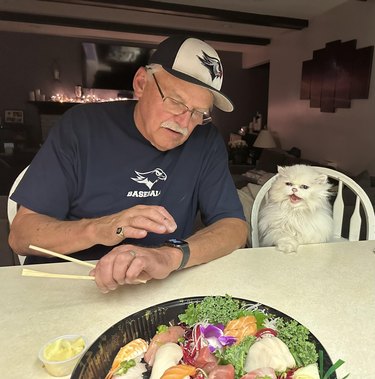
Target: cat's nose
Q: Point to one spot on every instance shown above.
(294, 189)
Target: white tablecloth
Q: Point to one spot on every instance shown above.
(330, 288)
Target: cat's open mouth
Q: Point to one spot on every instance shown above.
(294, 198)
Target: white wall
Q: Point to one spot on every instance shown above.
(347, 136)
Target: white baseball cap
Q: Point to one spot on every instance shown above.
(194, 61)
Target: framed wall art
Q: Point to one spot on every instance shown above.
(13, 117)
(336, 74)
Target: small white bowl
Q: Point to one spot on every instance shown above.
(62, 368)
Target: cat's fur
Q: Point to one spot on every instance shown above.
(297, 211)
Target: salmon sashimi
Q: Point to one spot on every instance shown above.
(241, 327)
(172, 334)
(179, 372)
(133, 350)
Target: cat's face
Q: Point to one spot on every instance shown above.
(300, 186)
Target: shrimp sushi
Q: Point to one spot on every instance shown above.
(128, 358)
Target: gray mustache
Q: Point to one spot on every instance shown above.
(175, 127)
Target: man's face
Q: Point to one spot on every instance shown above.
(155, 122)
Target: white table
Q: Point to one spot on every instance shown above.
(330, 288)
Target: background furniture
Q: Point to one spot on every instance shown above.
(12, 205)
(362, 202)
(11, 165)
(7, 257)
(267, 160)
(13, 133)
(260, 197)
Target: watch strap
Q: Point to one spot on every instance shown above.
(183, 246)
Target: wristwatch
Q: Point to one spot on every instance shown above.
(183, 246)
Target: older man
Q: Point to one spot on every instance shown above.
(135, 174)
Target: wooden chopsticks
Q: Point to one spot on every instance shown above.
(41, 274)
(62, 256)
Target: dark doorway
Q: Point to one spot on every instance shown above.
(258, 91)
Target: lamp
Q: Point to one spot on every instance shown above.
(265, 140)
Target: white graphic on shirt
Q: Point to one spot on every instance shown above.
(149, 178)
(152, 193)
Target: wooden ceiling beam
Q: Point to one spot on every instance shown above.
(128, 28)
(215, 14)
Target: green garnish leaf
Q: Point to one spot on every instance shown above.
(321, 363)
(295, 336)
(161, 329)
(260, 317)
(213, 309)
(125, 366)
(236, 355)
(216, 310)
(333, 368)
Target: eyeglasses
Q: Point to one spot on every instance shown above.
(177, 108)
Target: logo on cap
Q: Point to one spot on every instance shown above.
(212, 64)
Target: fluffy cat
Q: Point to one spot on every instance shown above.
(297, 211)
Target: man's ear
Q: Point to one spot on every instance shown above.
(139, 82)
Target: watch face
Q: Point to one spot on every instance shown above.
(181, 245)
(176, 241)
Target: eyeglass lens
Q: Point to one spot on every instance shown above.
(177, 108)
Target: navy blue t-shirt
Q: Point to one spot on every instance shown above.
(95, 162)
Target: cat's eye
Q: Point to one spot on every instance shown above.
(288, 184)
(304, 186)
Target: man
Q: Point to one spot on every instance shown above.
(134, 175)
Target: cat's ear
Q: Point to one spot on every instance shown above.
(281, 170)
(321, 179)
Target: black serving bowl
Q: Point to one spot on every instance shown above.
(97, 360)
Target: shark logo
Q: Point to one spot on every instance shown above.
(212, 64)
(149, 178)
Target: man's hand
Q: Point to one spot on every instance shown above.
(129, 264)
(66, 237)
(134, 222)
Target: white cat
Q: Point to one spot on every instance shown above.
(297, 211)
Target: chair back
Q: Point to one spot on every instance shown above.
(361, 201)
(12, 206)
(261, 195)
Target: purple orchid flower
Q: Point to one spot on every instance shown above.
(214, 335)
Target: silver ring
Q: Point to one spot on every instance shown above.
(133, 253)
(120, 232)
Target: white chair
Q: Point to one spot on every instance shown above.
(12, 206)
(362, 201)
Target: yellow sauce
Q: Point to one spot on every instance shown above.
(63, 349)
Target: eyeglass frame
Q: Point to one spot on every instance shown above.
(206, 117)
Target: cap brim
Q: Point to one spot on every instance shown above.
(220, 100)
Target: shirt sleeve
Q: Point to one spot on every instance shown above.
(218, 197)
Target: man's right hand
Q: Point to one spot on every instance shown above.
(134, 222)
